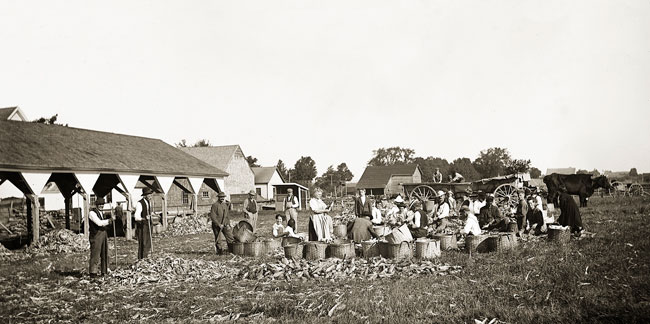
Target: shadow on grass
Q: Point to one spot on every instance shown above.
(70, 273)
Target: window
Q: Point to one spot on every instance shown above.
(205, 194)
(92, 200)
(186, 198)
(258, 191)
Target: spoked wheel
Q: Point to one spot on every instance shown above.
(506, 195)
(636, 190)
(423, 193)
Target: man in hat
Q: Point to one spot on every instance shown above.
(362, 205)
(98, 239)
(386, 209)
(143, 212)
(120, 219)
(479, 203)
(521, 213)
(291, 205)
(219, 215)
(437, 176)
(250, 209)
(442, 214)
(452, 202)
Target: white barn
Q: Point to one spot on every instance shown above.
(265, 179)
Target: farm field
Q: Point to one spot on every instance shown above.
(602, 279)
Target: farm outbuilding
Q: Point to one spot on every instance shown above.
(299, 191)
(231, 159)
(387, 180)
(265, 179)
(85, 162)
(12, 113)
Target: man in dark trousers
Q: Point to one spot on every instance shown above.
(143, 220)
(362, 205)
(219, 214)
(98, 239)
(250, 209)
(120, 220)
(360, 229)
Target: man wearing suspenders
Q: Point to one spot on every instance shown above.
(291, 204)
(98, 239)
(143, 220)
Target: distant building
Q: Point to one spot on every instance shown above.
(231, 159)
(265, 179)
(386, 180)
(561, 171)
(12, 113)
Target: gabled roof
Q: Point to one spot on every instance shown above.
(264, 174)
(34, 146)
(218, 156)
(10, 113)
(561, 170)
(378, 176)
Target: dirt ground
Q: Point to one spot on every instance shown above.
(604, 278)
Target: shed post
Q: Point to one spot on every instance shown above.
(163, 217)
(86, 198)
(35, 211)
(68, 202)
(129, 208)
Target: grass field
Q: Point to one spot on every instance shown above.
(601, 279)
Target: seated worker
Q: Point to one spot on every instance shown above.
(442, 214)
(398, 217)
(570, 214)
(471, 222)
(386, 208)
(280, 230)
(535, 217)
(360, 229)
(420, 221)
(489, 214)
(376, 214)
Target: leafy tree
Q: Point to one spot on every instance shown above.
(517, 166)
(391, 156)
(182, 143)
(582, 171)
(492, 162)
(595, 172)
(282, 169)
(429, 165)
(465, 167)
(304, 169)
(343, 172)
(633, 173)
(252, 162)
(199, 143)
(535, 173)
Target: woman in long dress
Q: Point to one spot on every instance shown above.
(570, 214)
(320, 224)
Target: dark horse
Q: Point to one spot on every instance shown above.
(582, 185)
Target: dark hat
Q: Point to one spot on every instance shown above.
(464, 208)
(146, 191)
(100, 201)
(221, 194)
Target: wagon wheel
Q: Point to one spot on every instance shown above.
(423, 193)
(506, 194)
(636, 190)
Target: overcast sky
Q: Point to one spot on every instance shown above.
(563, 83)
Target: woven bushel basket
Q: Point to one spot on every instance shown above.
(342, 250)
(254, 249)
(476, 243)
(447, 241)
(244, 236)
(314, 250)
(238, 248)
(293, 251)
(500, 242)
(270, 245)
(370, 249)
(396, 251)
(427, 249)
(559, 235)
(290, 240)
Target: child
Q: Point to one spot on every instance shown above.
(279, 230)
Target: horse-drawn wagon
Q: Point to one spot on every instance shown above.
(505, 188)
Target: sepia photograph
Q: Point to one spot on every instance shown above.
(360, 161)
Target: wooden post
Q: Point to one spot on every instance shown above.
(68, 202)
(86, 211)
(35, 218)
(196, 205)
(129, 226)
(28, 215)
(164, 211)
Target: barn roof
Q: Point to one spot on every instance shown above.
(9, 112)
(378, 176)
(264, 174)
(218, 156)
(561, 170)
(34, 146)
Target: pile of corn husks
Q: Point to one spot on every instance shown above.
(61, 240)
(343, 269)
(169, 268)
(187, 225)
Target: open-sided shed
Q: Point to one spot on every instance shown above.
(81, 161)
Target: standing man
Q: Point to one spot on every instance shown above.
(250, 209)
(291, 205)
(521, 213)
(143, 222)
(362, 205)
(219, 214)
(120, 219)
(437, 176)
(98, 239)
